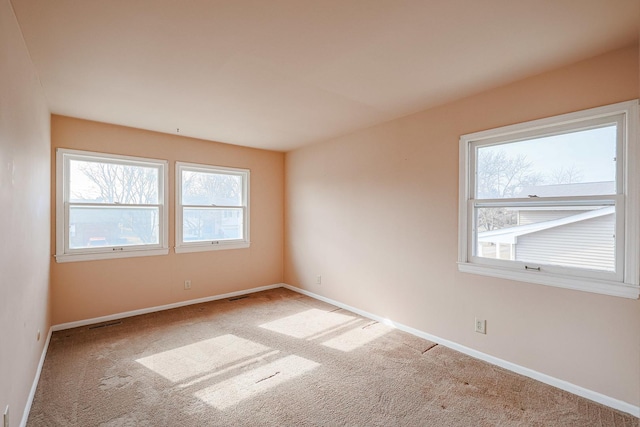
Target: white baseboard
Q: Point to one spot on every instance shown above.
(132, 313)
(547, 379)
(544, 378)
(69, 325)
(36, 379)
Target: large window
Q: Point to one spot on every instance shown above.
(554, 201)
(212, 208)
(109, 206)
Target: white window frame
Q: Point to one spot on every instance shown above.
(625, 281)
(211, 245)
(66, 254)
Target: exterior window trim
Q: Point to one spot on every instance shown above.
(211, 245)
(627, 201)
(63, 252)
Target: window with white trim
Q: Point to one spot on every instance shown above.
(554, 201)
(109, 206)
(212, 207)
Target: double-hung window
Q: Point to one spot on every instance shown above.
(554, 201)
(109, 206)
(212, 207)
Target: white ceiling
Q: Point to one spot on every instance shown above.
(279, 74)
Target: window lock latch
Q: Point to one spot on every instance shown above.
(526, 267)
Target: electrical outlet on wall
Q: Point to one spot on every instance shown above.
(481, 326)
(187, 284)
(318, 280)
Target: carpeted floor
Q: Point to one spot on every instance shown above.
(277, 358)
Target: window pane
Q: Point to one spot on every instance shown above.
(207, 224)
(99, 182)
(112, 226)
(580, 237)
(573, 164)
(209, 189)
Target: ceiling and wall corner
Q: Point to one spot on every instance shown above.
(282, 74)
(375, 212)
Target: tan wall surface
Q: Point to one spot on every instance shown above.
(89, 289)
(24, 218)
(375, 213)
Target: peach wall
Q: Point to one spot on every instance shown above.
(24, 218)
(375, 213)
(89, 289)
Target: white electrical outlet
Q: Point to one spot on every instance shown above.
(318, 280)
(481, 326)
(6, 417)
(187, 284)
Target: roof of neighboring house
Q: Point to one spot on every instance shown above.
(509, 235)
(577, 189)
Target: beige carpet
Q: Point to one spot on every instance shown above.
(277, 358)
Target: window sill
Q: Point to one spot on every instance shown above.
(209, 246)
(109, 255)
(603, 287)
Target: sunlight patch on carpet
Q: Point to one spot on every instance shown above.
(357, 337)
(201, 358)
(239, 365)
(234, 390)
(308, 323)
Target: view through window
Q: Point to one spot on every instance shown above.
(212, 207)
(564, 167)
(109, 205)
(554, 201)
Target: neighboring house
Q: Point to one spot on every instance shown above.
(580, 237)
(202, 223)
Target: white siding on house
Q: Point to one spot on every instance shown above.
(585, 244)
(533, 216)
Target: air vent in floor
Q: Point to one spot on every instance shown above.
(104, 325)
